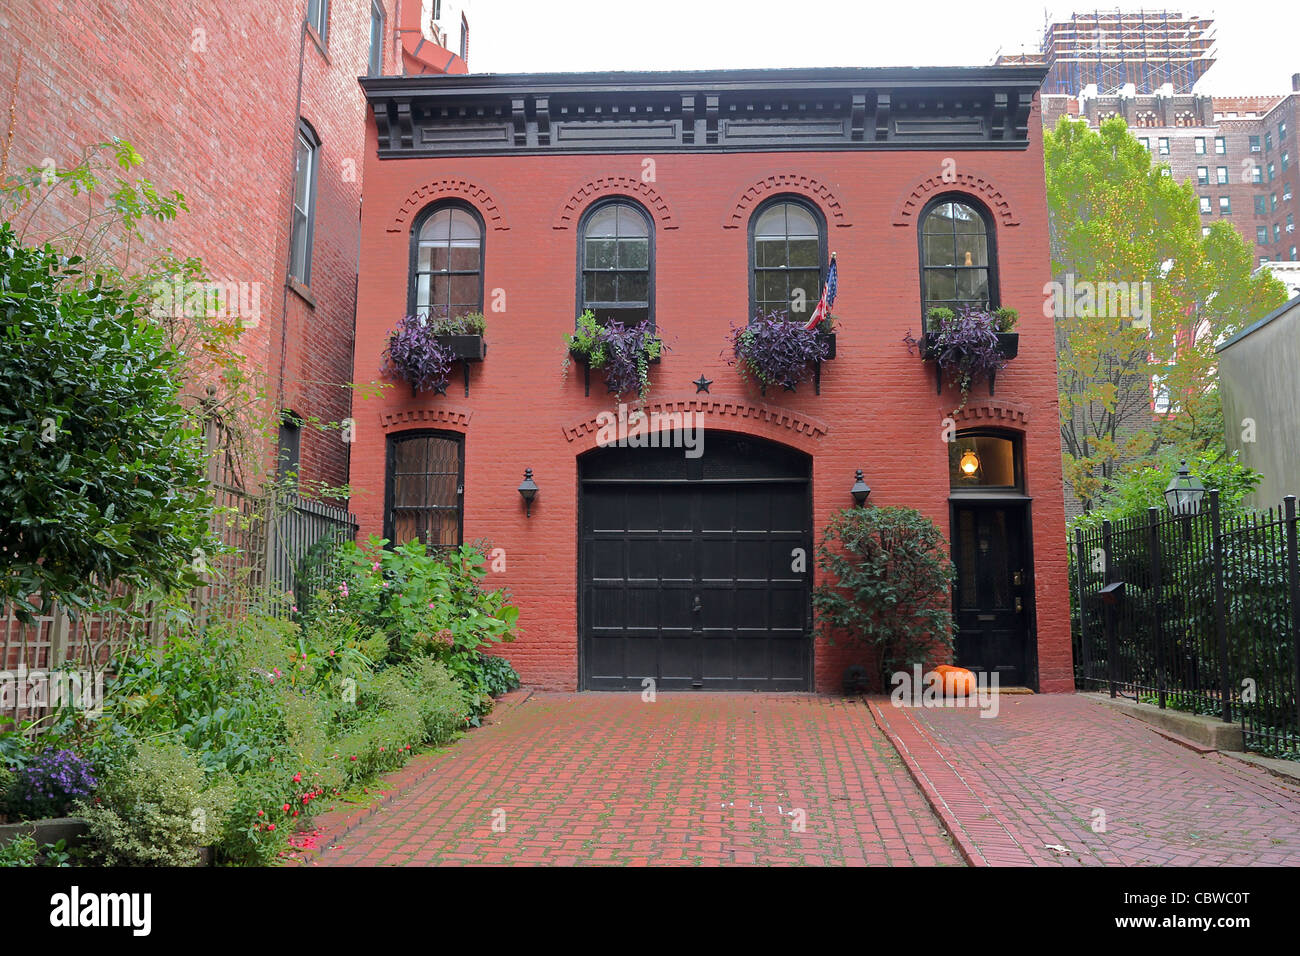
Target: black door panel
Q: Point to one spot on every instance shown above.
(991, 591)
(690, 582)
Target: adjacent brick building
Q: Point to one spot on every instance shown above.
(1240, 152)
(637, 562)
(225, 102)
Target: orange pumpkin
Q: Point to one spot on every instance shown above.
(955, 681)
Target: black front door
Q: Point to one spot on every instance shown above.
(695, 573)
(992, 590)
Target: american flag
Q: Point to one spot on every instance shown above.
(828, 296)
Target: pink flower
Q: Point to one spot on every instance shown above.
(331, 653)
(294, 608)
(353, 757)
(261, 813)
(286, 808)
(297, 778)
(270, 826)
(375, 566)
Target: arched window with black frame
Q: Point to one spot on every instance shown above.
(616, 262)
(446, 261)
(787, 258)
(425, 488)
(958, 256)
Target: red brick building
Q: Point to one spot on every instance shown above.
(253, 112)
(502, 193)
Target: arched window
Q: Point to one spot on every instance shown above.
(787, 252)
(447, 262)
(958, 260)
(616, 263)
(425, 488)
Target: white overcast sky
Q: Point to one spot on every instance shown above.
(1258, 43)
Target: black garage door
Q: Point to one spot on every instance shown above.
(695, 572)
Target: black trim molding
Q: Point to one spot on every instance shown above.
(704, 111)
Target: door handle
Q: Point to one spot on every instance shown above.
(1019, 606)
(697, 607)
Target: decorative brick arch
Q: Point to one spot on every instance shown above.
(909, 207)
(806, 186)
(583, 196)
(438, 417)
(449, 189)
(729, 414)
(992, 414)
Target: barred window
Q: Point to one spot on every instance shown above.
(426, 485)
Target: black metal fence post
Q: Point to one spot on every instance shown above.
(1220, 611)
(1108, 611)
(1157, 590)
(1293, 574)
(1079, 568)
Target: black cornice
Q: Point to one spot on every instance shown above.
(704, 111)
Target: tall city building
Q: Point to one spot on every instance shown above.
(1240, 152)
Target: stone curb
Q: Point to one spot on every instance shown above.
(1197, 732)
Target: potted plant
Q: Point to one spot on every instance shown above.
(775, 351)
(462, 336)
(623, 353)
(968, 345)
(416, 356)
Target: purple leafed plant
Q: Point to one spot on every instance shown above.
(415, 356)
(623, 353)
(50, 784)
(964, 344)
(776, 351)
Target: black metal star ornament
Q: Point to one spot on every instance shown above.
(702, 384)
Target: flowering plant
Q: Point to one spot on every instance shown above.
(49, 784)
(964, 343)
(776, 351)
(623, 353)
(415, 355)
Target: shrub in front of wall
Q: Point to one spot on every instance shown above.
(157, 807)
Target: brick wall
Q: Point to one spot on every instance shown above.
(208, 93)
(878, 402)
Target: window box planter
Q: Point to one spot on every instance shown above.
(467, 348)
(774, 351)
(945, 338)
(624, 354)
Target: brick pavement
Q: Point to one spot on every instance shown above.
(690, 779)
(1026, 786)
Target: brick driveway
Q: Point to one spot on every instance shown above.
(714, 779)
(1025, 787)
(690, 779)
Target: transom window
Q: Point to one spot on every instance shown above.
(616, 268)
(956, 270)
(447, 270)
(425, 493)
(983, 460)
(787, 249)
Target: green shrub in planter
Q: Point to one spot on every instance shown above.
(155, 808)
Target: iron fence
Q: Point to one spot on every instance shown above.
(1198, 612)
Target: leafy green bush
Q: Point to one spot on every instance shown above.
(156, 807)
(101, 473)
(24, 851)
(888, 584)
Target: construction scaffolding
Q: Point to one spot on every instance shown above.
(1147, 49)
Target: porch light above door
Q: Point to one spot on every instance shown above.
(1185, 491)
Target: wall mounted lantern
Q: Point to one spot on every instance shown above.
(528, 491)
(969, 464)
(860, 491)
